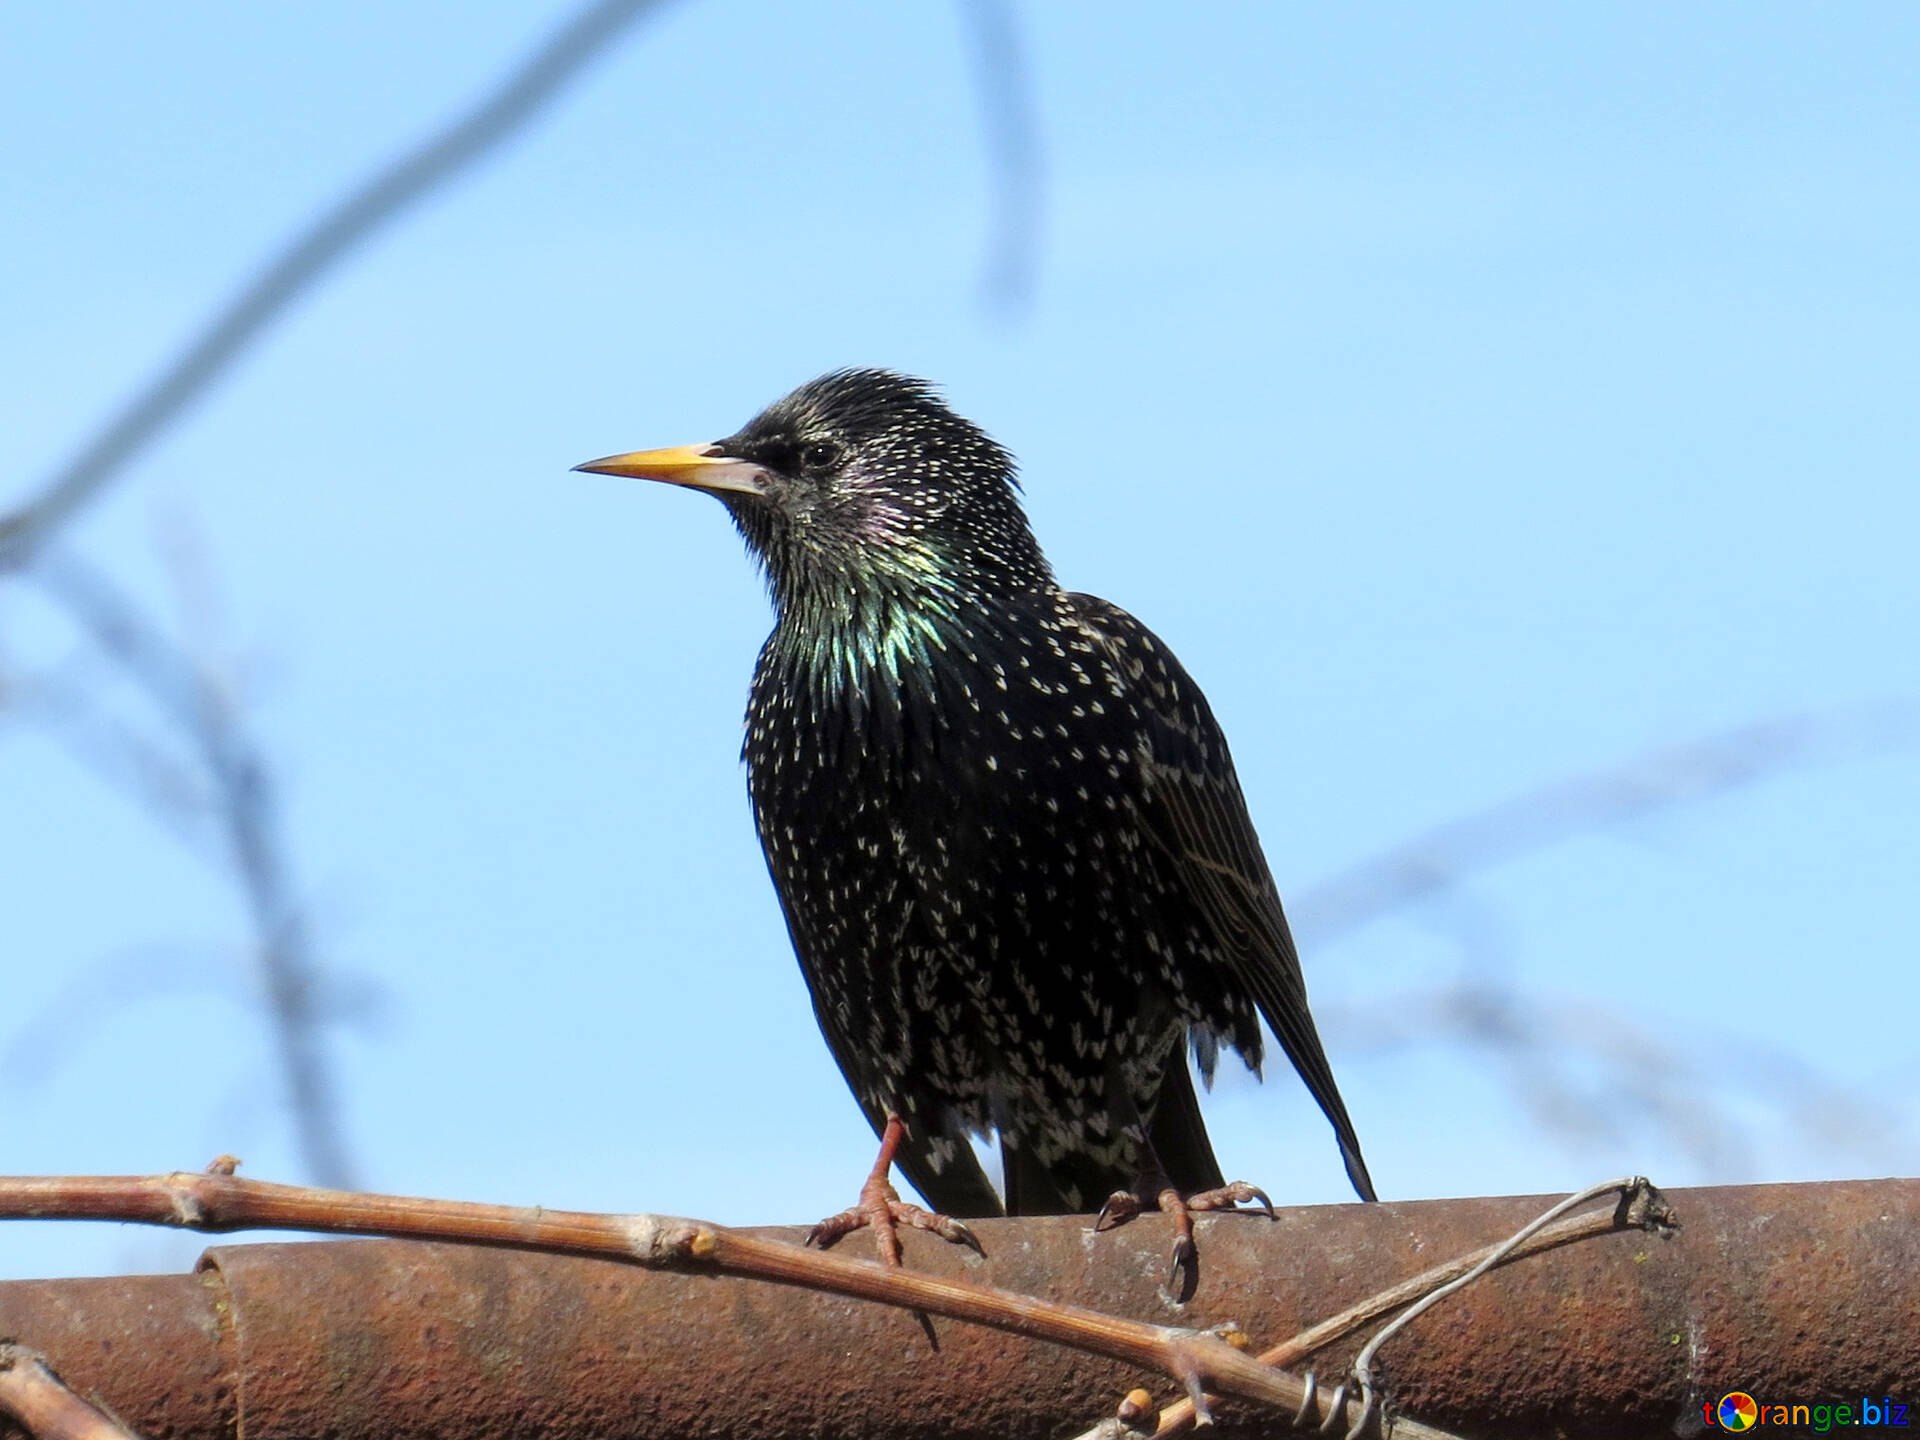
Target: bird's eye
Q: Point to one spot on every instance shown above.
(818, 455)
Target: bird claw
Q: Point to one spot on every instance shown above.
(1183, 1267)
(1231, 1197)
(1121, 1207)
(945, 1226)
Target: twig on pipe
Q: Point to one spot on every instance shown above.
(34, 1397)
(1641, 1207)
(1199, 1361)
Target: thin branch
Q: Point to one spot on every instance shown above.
(34, 1397)
(1362, 1371)
(324, 243)
(218, 1201)
(1640, 1207)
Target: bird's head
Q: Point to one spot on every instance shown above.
(862, 482)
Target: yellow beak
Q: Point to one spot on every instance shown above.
(695, 466)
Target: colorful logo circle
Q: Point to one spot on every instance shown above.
(1737, 1411)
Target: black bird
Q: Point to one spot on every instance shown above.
(1002, 821)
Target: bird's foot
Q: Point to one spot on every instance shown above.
(881, 1210)
(1183, 1264)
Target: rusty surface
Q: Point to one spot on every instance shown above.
(150, 1349)
(1795, 1292)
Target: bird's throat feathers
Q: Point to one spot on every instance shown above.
(875, 640)
(882, 610)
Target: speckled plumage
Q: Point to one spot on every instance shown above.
(1002, 821)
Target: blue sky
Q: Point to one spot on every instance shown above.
(1474, 398)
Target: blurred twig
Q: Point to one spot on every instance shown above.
(1637, 1079)
(69, 706)
(122, 979)
(228, 788)
(1660, 779)
(326, 241)
(1011, 130)
(242, 802)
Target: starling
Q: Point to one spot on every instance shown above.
(1003, 823)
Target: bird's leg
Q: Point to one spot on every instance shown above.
(881, 1209)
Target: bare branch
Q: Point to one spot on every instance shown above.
(46, 1409)
(1639, 1206)
(323, 244)
(217, 1200)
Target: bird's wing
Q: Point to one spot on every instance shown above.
(1192, 806)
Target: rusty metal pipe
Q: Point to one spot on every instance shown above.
(1794, 1292)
